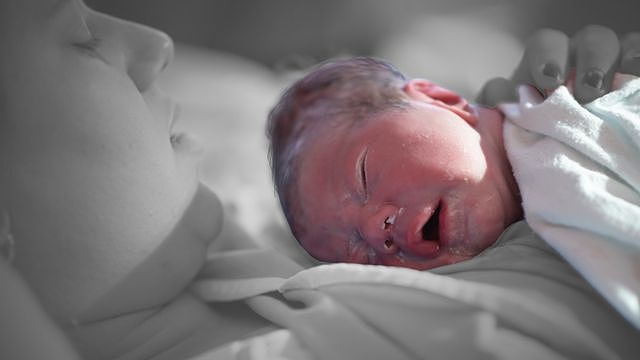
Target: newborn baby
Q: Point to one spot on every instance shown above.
(371, 167)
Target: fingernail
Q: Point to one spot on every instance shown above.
(594, 78)
(552, 71)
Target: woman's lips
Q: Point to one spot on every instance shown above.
(181, 141)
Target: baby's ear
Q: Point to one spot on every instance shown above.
(425, 90)
(421, 89)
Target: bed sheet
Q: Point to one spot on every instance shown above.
(518, 299)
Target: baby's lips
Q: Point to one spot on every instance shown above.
(416, 245)
(426, 248)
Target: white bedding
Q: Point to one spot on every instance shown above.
(517, 299)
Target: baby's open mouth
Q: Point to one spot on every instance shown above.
(425, 241)
(431, 229)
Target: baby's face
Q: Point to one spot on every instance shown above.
(420, 189)
(99, 193)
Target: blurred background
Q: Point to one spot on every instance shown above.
(233, 58)
(289, 33)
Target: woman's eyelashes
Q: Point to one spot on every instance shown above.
(86, 40)
(90, 46)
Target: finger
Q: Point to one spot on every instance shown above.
(497, 90)
(545, 60)
(630, 61)
(597, 52)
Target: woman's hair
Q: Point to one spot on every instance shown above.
(340, 93)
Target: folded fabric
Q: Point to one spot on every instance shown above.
(578, 169)
(275, 345)
(517, 299)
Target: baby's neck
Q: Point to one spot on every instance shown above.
(491, 128)
(490, 124)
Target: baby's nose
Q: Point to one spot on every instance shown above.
(378, 229)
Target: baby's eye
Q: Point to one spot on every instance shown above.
(361, 169)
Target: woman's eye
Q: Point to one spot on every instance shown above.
(83, 37)
(90, 46)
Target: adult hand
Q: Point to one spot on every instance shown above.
(593, 56)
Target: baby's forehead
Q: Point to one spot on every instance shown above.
(342, 124)
(334, 139)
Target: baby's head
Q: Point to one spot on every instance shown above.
(371, 167)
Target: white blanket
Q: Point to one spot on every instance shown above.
(517, 299)
(578, 169)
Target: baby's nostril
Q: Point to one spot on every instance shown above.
(388, 244)
(388, 221)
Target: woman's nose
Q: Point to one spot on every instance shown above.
(378, 226)
(143, 52)
(150, 52)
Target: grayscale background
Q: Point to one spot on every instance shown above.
(275, 31)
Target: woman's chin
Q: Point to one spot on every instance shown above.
(170, 268)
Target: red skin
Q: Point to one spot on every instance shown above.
(441, 154)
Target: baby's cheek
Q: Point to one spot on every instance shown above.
(358, 253)
(322, 250)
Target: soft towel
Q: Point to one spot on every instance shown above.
(578, 169)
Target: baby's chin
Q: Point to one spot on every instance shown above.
(416, 263)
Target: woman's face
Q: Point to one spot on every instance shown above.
(104, 202)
